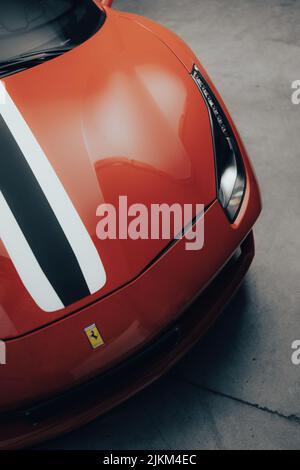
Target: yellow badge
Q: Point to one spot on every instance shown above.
(94, 336)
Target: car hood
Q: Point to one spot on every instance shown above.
(118, 115)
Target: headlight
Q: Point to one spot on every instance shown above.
(231, 181)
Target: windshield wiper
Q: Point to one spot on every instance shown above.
(33, 56)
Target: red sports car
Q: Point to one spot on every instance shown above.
(96, 104)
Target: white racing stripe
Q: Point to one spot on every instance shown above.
(66, 214)
(25, 263)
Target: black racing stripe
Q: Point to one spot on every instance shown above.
(38, 222)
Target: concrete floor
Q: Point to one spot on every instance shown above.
(237, 389)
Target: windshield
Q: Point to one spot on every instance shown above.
(32, 31)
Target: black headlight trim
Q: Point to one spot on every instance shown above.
(221, 131)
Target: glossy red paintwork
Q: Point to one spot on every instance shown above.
(119, 120)
(118, 115)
